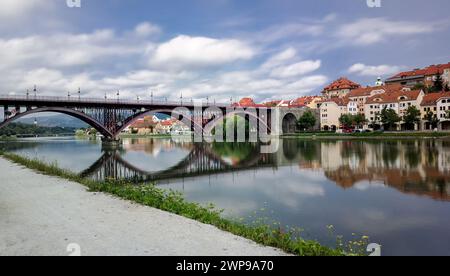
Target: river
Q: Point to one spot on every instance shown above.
(397, 192)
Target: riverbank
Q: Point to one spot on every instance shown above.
(371, 135)
(152, 197)
(145, 136)
(42, 215)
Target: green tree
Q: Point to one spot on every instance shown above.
(389, 118)
(420, 86)
(438, 84)
(431, 118)
(411, 117)
(359, 120)
(347, 120)
(307, 121)
(446, 88)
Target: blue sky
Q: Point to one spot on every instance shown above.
(266, 49)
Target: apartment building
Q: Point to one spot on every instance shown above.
(422, 75)
(332, 109)
(399, 101)
(360, 95)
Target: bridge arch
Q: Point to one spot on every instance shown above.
(62, 110)
(289, 123)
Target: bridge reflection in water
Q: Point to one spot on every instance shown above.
(420, 167)
(202, 160)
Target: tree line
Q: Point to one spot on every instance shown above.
(26, 129)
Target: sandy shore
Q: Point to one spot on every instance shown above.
(42, 215)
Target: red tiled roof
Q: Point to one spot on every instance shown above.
(342, 83)
(247, 102)
(432, 98)
(427, 71)
(367, 91)
(339, 101)
(146, 122)
(303, 101)
(394, 96)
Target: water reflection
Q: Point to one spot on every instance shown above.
(416, 167)
(396, 192)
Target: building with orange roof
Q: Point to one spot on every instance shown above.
(360, 95)
(312, 102)
(439, 105)
(247, 102)
(339, 88)
(398, 100)
(425, 75)
(332, 109)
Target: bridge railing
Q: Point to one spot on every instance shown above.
(76, 99)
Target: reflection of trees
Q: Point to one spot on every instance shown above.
(290, 148)
(353, 148)
(412, 153)
(309, 150)
(235, 151)
(390, 153)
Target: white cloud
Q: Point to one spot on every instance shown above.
(308, 84)
(65, 50)
(15, 8)
(186, 51)
(146, 29)
(280, 58)
(368, 31)
(378, 71)
(297, 69)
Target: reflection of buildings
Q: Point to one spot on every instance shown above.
(155, 146)
(419, 167)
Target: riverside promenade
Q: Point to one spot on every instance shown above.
(42, 215)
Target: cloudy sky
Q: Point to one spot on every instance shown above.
(266, 49)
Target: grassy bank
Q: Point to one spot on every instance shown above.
(370, 135)
(149, 195)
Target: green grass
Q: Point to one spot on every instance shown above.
(173, 202)
(373, 135)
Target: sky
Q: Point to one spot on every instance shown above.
(221, 49)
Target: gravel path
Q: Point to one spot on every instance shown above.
(42, 215)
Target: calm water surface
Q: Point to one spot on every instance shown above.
(396, 192)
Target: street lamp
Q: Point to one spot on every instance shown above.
(181, 98)
(207, 100)
(151, 96)
(35, 91)
(118, 95)
(106, 96)
(68, 95)
(79, 93)
(28, 93)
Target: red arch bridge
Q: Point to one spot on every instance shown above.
(110, 117)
